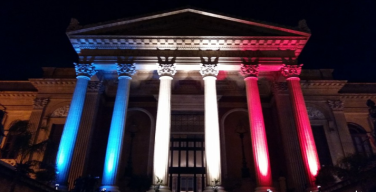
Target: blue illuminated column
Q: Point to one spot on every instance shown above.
(162, 131)
(209, 71)
(115, 137)
(68, 138)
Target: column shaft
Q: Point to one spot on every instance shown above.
(258, 134)
(212, 145)
(296, 177)
(68, 138)
(304, 130)
(115, 137)
(82, 148)
(162, 132)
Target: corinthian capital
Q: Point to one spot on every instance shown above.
(249, 70)
(209, 67)
(126, 69)
(40, 103)
(166, 67)
(335, 105)
(291, 70)
(87, 70)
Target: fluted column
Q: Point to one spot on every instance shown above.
(116, 135)
(296, 177)
(209, 71)
(257, 129)
(303, 126)
(166, 70)
(85, 132)
(69, 136)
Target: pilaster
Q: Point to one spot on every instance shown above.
(344, 135)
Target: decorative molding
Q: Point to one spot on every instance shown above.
(126, 69)
(40, 103)
(327, 84)
(291, 70)
(95, 86)
(358, 96)
(17, 94)
(336, 105)
(314, 113)
(189, 42)
(61, 112)
(87, 70)
(53, 82)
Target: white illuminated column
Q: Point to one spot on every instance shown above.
(69, 136)
(116, 135)
(163, 126)
(257, 129)
(212, 145)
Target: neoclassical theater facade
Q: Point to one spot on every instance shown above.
(190, 100)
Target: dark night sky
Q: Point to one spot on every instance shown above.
(343, 32)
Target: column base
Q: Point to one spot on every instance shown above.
(313, 189)
(265, 189)
(210, 189)
(162, 188)
(109, 188)
(61, 188)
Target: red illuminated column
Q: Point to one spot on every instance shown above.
(303, 126)
(257, 128)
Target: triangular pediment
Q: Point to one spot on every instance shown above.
(187, 22)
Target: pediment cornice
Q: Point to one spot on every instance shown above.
(209, 15)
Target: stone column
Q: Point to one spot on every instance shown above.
(116, 135)
(296, 177)
(303, 126)
(342, 128)
(85, 132)
(166, 70)
(209, 71)
(257, 128)
(69, 136)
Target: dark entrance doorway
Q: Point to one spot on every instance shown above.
(186, 163)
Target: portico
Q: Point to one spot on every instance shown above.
(203, 62)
